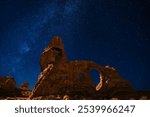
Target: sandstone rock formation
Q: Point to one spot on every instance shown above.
(7, 86)
(24, 86)
(63, 77)
(9, 90)
(24, 89)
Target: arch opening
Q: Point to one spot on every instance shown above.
(95, 75)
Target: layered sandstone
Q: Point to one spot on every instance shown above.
(62, 77)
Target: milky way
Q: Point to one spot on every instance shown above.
(45, 20)
(107, 32)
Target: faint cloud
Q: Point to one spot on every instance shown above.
(24, 48)
(13, 69)
(71, 7)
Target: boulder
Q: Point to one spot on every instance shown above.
(7, 86)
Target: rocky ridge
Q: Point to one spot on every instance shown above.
(64, 79)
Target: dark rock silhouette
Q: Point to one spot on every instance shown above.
(9, 90)
(8, 86)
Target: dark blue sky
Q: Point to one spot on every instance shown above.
(109, 32)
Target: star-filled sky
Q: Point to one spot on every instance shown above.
(109, 32)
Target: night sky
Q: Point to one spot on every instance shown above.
(109, 32)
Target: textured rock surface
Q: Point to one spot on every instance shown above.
(8, 89)
(62, 77)
(24, 89)
(24, 86)
(7, 83)
(8, 86)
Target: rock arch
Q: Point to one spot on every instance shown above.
(58, 76)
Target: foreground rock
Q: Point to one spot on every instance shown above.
(8, 87)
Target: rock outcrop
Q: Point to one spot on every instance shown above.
(8, 86)
(24, 86)
(62, 77)
(9, 90)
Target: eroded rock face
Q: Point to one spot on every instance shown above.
(53, 54)
(8, 89)
(7, 83)
(115, 85)
(62, 77)
(7, 86)
(24, 86)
